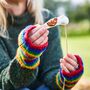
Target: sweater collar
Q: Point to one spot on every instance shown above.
(18, 24)
(20, 20)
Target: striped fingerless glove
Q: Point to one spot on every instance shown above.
(27, 53)
(70, 79)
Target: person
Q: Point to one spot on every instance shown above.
(30, 55)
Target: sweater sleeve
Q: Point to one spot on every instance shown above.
(12, 76)
(51, 74)
(50, 62)
(23, 69)
(49, 66)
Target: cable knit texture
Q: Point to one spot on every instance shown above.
(70, 78)
(28, 53)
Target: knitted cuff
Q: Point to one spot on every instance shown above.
(70, 78)
(73, 77)
(28, 53)
(26, 62)
(28, 48)
(59, 80)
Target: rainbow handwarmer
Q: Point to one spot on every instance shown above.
(27, 53)
(70, 78)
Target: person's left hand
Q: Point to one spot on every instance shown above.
(69, 63)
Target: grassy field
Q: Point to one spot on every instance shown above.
(79, 45)
(78, 29)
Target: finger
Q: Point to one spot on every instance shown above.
(64, 68)
(41, 39)
(72, 57)
(71, 61)
(35, 30)
(38, 34)
(68, 66)
(46, 40)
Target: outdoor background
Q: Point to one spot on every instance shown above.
(78, 30)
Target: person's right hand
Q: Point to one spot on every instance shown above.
(32, 42)
(39, 35)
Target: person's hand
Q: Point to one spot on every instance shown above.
(39, 35)
(69, 63)
(32, 42)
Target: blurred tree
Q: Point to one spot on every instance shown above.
(55, 5)
(77, 14)
(88, 11)
(51, 5)
(80, 12)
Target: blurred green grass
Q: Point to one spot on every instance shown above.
(79, 45)
(77, 28)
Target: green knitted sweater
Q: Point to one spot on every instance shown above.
(12, 75)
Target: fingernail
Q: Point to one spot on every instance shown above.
(61, 60)
(77, 66)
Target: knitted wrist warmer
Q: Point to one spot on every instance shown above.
(26, 62)
(70, 78)
(28, 53)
